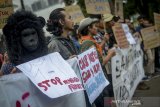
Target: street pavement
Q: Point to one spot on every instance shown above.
(151, 97)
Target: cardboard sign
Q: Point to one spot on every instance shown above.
(150, 37)
(97, 6)
(6, 9)
(52, 75)
(119, 8)
(157, 21)
(92, 75)
(120, 36)
(127, 72)
(75, 12)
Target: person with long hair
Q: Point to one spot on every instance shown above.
(60, 25)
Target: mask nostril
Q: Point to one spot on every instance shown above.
(32, 40)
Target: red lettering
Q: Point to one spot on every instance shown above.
(46, 82)
(41, 85)
(80, 64)
(73, 87)
(71, 80)
(96, 68)
(25, 95)
(18, 104)
(76, 79)
(58, 80)
(95, 55)
(86, 75)
(92, 72)
(53, 81)
(83, 62)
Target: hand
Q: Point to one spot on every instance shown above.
(111, 52)
(72, 56)
(106, 37)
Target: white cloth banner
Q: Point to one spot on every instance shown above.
(92, 75)
(127, 72)
(128, 34)
(18, 91)
(52, 72)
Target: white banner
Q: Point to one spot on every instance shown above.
(128, 34)
(52, 72)
(92, 75)
(18, 91)
(127, 72)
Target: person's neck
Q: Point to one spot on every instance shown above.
(65, 33)
(91, 35)
(101, 29)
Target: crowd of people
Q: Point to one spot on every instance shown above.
(25, 41)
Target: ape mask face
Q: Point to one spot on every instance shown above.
(24, 37)
(29, 39)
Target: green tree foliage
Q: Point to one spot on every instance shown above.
(145, 7)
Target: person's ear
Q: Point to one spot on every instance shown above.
(61, 22)
(89, 28)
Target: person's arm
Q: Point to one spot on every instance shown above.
(14, 70)
(105, 39)
(110, 54)
(1, 73)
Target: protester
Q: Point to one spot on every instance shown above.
(24, 37)
(7, 66)
(60, 25)
(148, 55)
(109, 23)
(1, 60)
(100, 33)
(88, 29)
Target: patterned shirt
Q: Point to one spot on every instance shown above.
(7, 68)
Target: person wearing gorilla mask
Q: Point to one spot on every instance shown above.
(24, 37)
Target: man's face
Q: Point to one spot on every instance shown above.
(29, 39)
(93, 29)
(141, 21)
(68, 22)
(100, 24)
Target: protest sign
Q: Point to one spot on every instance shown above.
(75, 12)
(18, 91)
(92, 75)
(150, 37)
(157, 21)
(120, 36)
(6, 9)
(97, 6)
(52, 72)
(119, 8)
(127, 72)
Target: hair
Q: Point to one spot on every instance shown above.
(53, 24)
(142, 17)
(17, 22)
(85, 31)
(116, 18)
